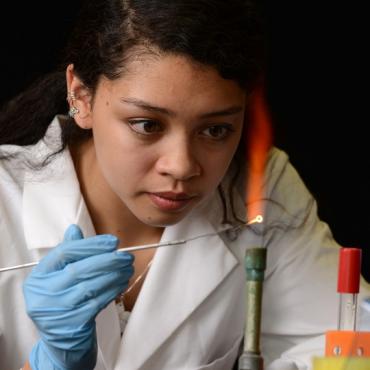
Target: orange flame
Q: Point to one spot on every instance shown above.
(258, 142)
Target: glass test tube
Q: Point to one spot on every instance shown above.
(348, 287)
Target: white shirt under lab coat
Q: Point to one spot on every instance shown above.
(190, 312)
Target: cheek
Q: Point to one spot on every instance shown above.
(119, 160)
(123, 163)
(117, 155)
(217, 165)
(216, 170)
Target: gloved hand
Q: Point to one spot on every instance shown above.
(65, 292)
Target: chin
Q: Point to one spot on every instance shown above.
(164, 220)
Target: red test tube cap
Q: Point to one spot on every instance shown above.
(349, 270)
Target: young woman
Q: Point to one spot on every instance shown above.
(158, 95)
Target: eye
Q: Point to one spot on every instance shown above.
(145, 127)
(218, 132)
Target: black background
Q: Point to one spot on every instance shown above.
(316, 91)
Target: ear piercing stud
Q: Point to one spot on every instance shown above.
(71, 97)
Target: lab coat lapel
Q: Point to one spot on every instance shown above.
(180, 279)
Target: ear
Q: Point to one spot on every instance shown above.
(82, 98)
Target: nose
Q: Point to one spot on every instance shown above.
(179, 161)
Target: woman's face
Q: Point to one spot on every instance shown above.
(165, 134)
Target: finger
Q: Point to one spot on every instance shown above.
(75, 250)
(104, 298)
(101, 290)
(73, 232)
(89, 268)
(44, 303)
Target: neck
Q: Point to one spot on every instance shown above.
(107, 211)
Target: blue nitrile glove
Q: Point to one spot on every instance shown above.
(65, 292)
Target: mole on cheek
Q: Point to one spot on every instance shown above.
(107, 103)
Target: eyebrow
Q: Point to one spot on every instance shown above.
(152, 108)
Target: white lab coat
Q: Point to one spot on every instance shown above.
(190, 311)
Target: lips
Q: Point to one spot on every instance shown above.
(174, 196)
(171, 201)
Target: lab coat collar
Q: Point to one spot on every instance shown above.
(52, 199)
(180, 280)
